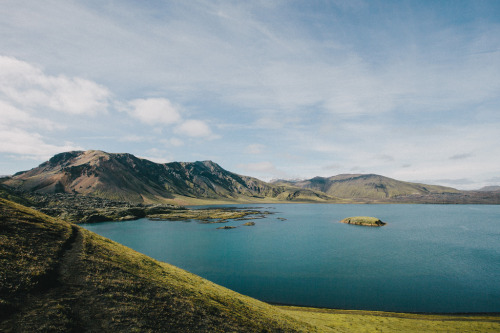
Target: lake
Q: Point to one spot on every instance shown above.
(428, 258)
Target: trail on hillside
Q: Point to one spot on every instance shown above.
(58, 291)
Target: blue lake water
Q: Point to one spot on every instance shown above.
(428, 258)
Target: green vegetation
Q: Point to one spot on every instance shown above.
(329, 320)
(364, 220)
(59, 277)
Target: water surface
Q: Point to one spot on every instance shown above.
(428, 258)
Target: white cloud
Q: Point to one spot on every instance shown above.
(255, 148)
(259, 167)
(154, 111)
(15, 117)
(264, 170)
(173, 142)
(194, 128)
(27, 86)
(157, 155)
(30, 144)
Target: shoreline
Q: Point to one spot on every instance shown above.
(381, 312)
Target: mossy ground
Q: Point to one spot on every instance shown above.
(329, 320)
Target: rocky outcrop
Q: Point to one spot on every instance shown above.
(364, 221)
(249, 224)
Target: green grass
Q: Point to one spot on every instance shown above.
(328, 320)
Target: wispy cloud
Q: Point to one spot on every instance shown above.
(26, 85)
(263, 168)
(255, 148)
(194, 128)
(33, 145)
(154, 111)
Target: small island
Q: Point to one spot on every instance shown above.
(249, 224)
(364, 220)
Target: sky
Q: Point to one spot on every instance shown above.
(271, 89)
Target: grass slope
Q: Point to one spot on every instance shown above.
(328, 320)
(58, 277)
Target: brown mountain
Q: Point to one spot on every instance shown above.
(491, 188)
(127, 177)
(367, 186)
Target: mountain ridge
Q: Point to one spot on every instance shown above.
(123, 176)
(367, 186)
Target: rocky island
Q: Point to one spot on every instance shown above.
(364, 220)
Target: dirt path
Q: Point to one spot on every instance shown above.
(53, 306)
(70, 273)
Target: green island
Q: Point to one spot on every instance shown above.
(364, 221)
(59, 277)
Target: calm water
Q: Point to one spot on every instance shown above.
(429, 258)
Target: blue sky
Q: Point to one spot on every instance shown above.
(281, 89)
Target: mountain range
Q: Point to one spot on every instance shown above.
(129, 178)
(126, 177)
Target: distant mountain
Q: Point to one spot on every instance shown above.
(366, 186)
(127, 177)
(492, 188)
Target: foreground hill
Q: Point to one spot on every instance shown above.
(367, 186)
(58, 277)
(129, 178)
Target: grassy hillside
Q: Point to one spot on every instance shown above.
(59, 277)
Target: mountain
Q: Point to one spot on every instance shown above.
(366, 186)
(491, 188)
(129, 178)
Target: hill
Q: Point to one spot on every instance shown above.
(491, 188)
(129, 178)
(60, 277)
(367, 186)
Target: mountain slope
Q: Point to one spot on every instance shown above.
(60, 277)
(126, 177)
(369, 186)
(491, 188)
